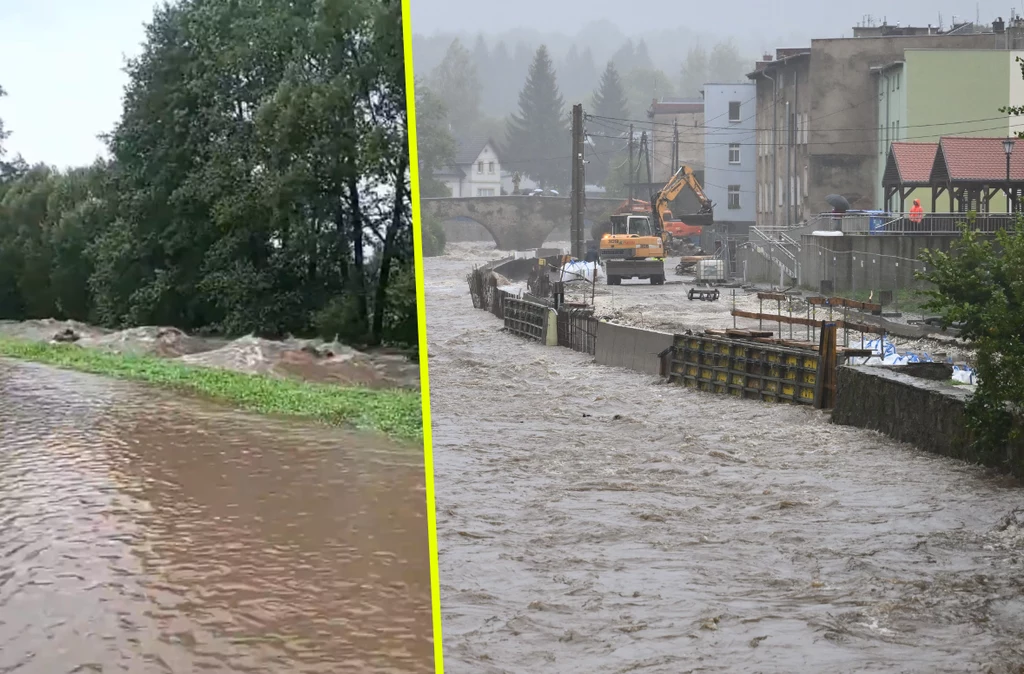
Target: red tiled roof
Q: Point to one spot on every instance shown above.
(914, 161)
(970, 159)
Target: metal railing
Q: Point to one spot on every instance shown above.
(777, 247)
(902, 223)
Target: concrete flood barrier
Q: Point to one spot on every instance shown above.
(917, 410)
(632, 348)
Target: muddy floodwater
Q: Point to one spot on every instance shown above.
(143, 532)
(593, 520)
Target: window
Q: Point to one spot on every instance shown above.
(782, 191)
(734, 111)
(485, 192)
(798, 193)
(734, 196)
(479, 167)
(734, 153)
(490, 167)
(805, 181)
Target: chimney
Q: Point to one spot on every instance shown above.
(767, 57)
(999, 26)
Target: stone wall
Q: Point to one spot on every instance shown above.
(927, 414)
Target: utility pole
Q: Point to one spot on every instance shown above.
(775, 145)
(578, 183)
(646, 150)
(631, 173)
(675, 145)
(789, 166)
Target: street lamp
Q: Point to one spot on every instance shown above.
(1008, 149)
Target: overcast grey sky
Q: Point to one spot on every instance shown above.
(61, 62)
(738, 17)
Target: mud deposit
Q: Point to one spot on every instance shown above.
(309, 360)
(592, 520)
(149, 533)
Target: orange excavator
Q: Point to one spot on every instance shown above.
(634, 242)
(672, 227)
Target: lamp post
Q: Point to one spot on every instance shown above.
(1008, 149)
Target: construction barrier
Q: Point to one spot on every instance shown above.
(577, 329)
(526, 319)
(744, 369)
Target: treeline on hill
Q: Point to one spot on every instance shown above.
(257, 183)
(460, 98)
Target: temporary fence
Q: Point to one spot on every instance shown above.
(523, 318)
(577, 329)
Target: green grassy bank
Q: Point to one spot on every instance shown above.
(395, 413)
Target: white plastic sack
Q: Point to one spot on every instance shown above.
(578, 270)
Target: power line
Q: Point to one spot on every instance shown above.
(810, 121)
(835, 142)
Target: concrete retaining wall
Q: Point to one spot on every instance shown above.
(927, 414)
(866, 262)
(631, 348)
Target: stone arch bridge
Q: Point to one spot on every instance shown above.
(517, 222)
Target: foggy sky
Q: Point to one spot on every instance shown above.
(740, 18)
(61, 62)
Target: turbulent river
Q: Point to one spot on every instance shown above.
(142, 532)
(593, 520)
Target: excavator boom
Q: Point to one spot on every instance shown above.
(681, 179)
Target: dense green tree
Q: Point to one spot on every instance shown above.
(725, 64)
(631, 57)
(609, 100)
(539, 142)
(457, 83)
(3, 133)
(694, 72)
(433, 237)
(644, 86)
(578, 74)
(258, 182)
(979, 284)
(434, 142)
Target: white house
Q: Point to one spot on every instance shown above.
(477, 169)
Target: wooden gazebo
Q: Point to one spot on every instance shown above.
(908, 167)
(974, 170)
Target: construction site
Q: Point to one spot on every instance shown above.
(677, 459)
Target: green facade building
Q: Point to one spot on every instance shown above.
(946, 92)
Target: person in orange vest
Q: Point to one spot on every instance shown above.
(916, 212)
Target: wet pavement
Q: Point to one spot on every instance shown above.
(144, 532)
(592, 519)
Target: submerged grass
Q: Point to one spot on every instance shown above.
(395, 413)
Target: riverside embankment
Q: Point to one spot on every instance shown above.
(593, 519)
(329, 382)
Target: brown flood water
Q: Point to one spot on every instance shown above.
(672, 531)
(142, 532)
